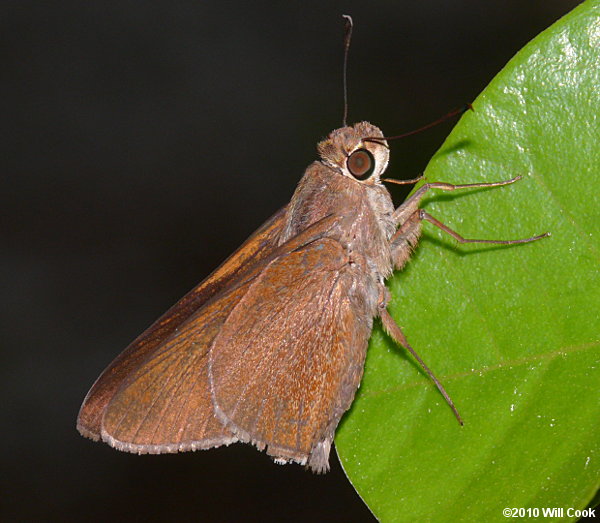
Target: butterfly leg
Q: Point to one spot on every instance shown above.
(412, 204)
(409, 217)
(405, 239)
(427, 217)
(395, 332)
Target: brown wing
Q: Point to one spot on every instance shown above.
(252, 252)
(286, 363)
(165, 405)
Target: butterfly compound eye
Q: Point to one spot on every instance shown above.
(361, 164)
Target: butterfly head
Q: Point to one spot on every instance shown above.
(356, 152)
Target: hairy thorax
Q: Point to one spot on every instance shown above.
(362, 219)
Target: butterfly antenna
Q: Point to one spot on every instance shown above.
(348, 24)
(451, 114)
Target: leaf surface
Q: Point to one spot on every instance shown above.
(512, 332)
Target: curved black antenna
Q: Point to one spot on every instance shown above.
(348, 24)
(451, 114)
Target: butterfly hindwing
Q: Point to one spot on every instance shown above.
(286, 363)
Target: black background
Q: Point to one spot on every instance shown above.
(141, 142)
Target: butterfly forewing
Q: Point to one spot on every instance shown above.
(165, 405)
(246, 258)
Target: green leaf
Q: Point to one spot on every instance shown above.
(512, 332)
